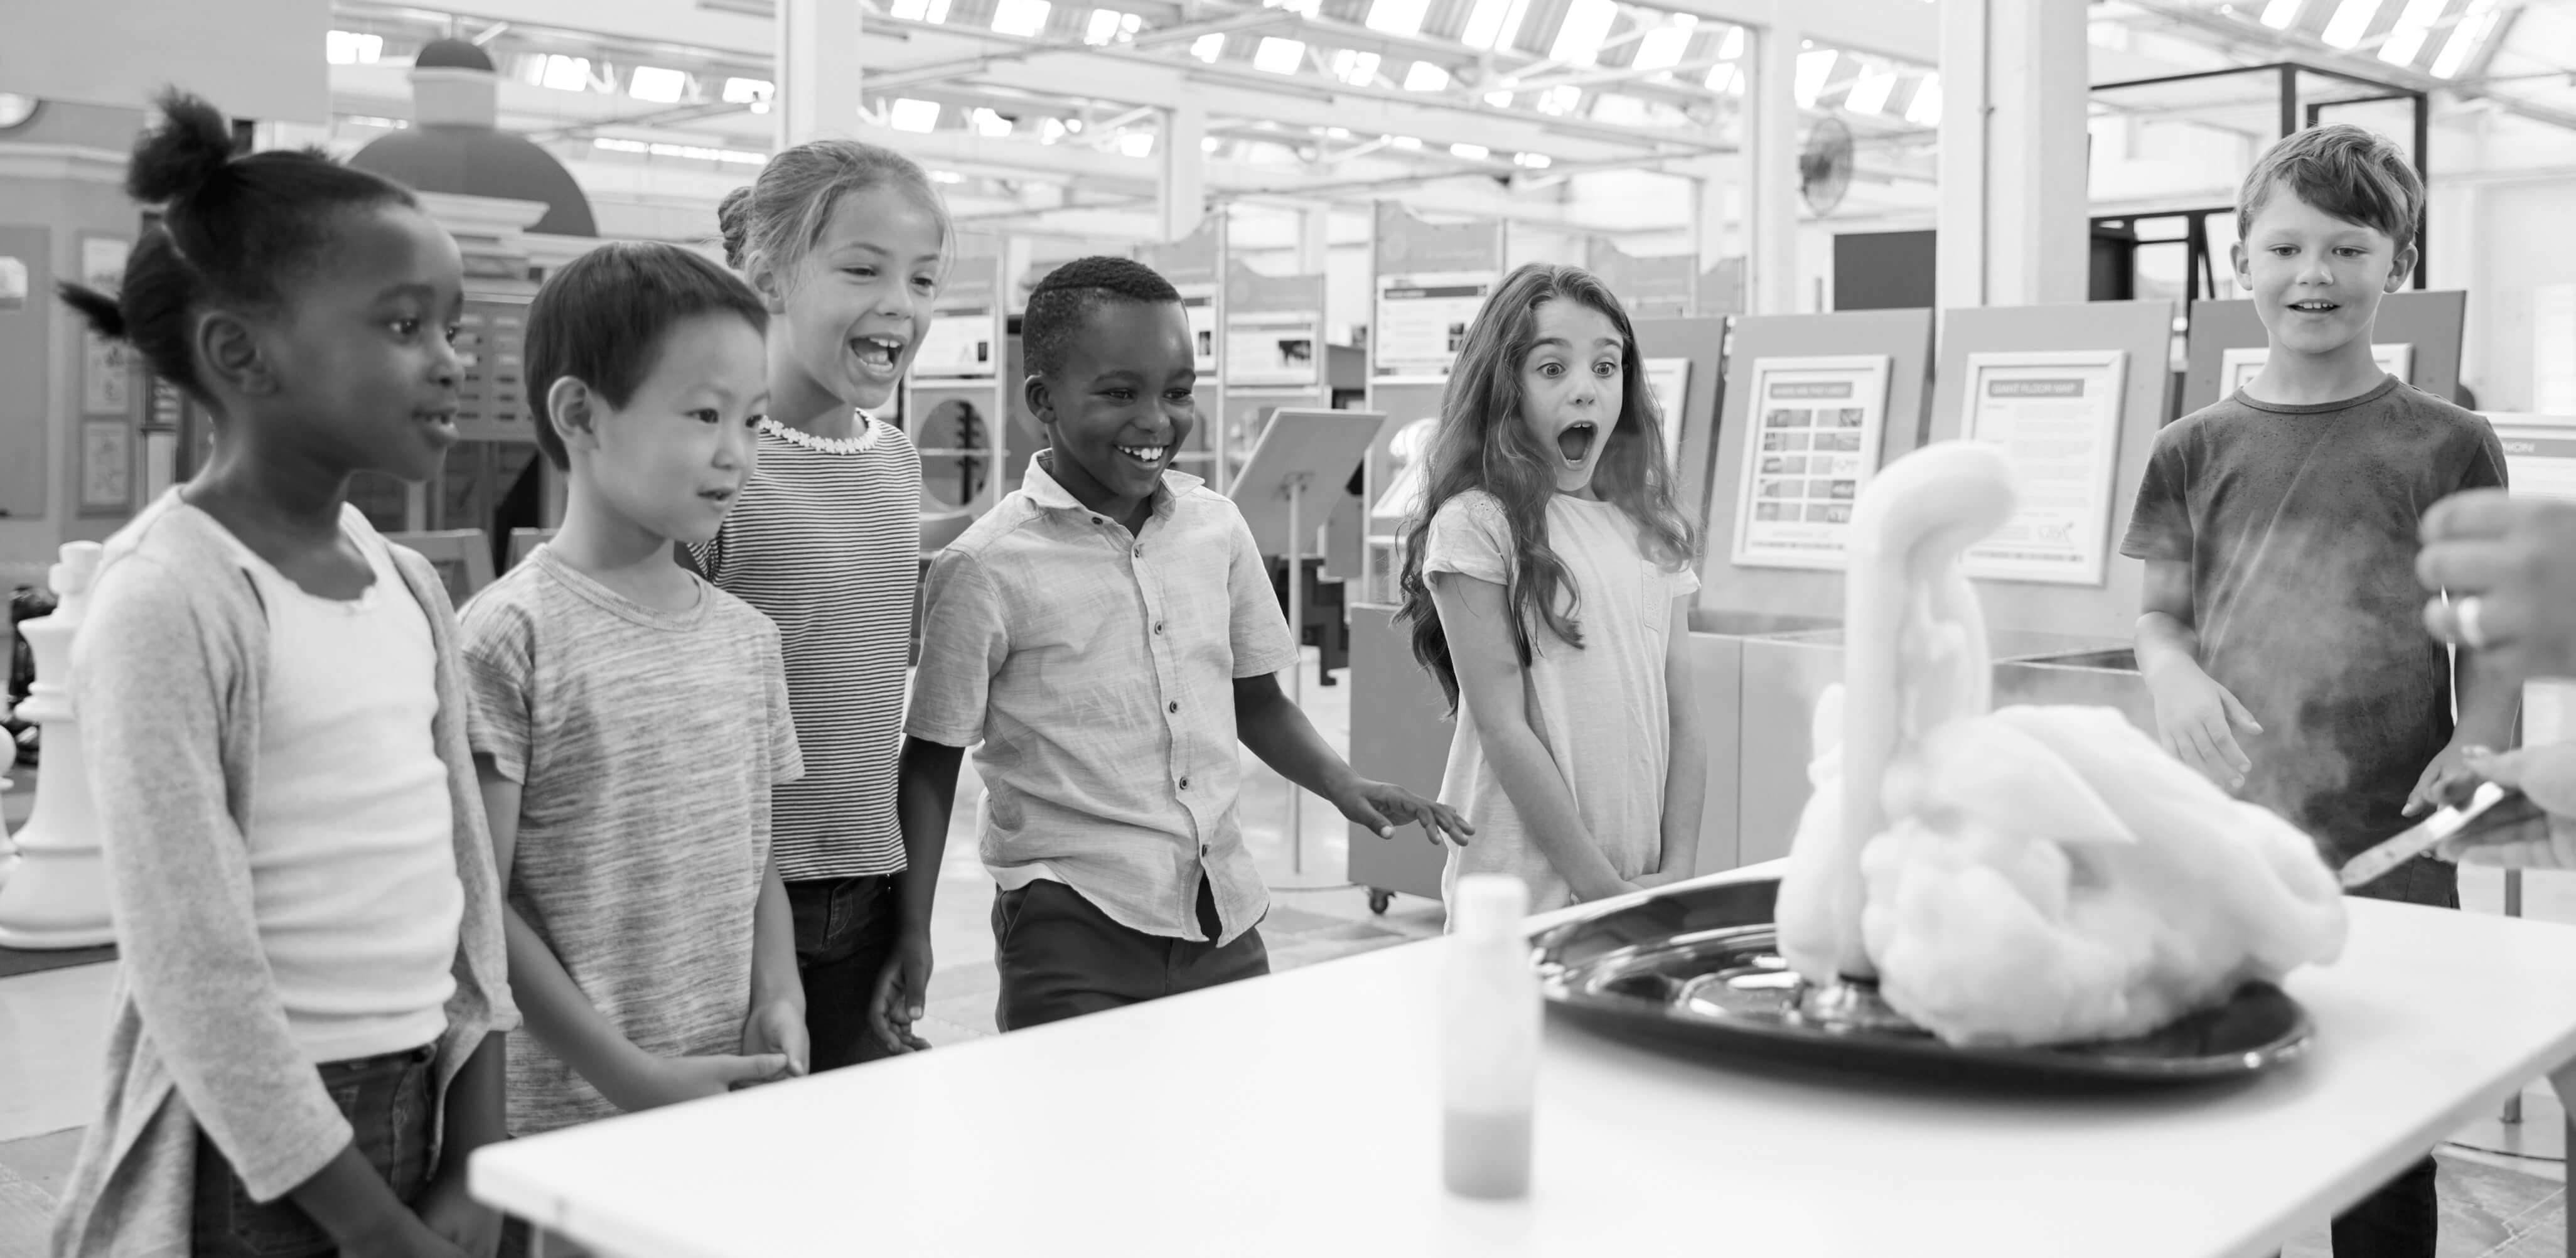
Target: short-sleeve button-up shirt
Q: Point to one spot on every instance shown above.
(1093, 672)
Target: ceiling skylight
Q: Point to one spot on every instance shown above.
(2351, 21)
(1579, 36)
(657, 84)
(1279, 56)
(908, 114)
(1397, 17)
(1024, 18)
(1815, 69)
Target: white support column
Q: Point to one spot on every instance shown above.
(1772, 168)
(1314, 238)
(2013, 218)
(1181, 192)
(818, 71)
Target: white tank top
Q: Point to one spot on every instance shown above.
(352, 847)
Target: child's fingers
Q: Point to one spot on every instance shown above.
(2237, 713)
(1366, 814)
(2504, 769)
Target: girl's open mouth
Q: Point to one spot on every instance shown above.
(1575, 442)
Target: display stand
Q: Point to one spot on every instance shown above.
(2103, 611)
(54, 894)
(2430, 322)
(1301, 452)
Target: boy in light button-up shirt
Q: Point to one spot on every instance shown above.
(1106, 634)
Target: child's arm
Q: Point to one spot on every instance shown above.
(1477, 621)
(925, 797)
(776, 1026)
(2490, 697)
(475, 1116)
(2197, 718)
(1278, 732)
(1686, 770)
(558, 1013)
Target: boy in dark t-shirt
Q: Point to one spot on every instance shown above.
(2281, 637)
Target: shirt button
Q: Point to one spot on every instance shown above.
(1097, 520)
(1176, 706)
(1140, 551)
(1204, 849)
(1185, 784)
(1158, 626)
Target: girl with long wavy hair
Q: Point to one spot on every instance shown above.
(1547, 579)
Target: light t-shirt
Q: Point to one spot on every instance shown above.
(1600, 709)
(352, 843)
(645, 744)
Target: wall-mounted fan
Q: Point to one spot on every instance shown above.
(1825, 165)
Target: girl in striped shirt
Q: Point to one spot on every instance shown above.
(848, 243)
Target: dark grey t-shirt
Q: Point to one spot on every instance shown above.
(2299, 523)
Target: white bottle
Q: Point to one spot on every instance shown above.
(1489, 1033)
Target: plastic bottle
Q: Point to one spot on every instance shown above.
(1489, 1033)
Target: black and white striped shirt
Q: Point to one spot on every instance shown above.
(828, 545)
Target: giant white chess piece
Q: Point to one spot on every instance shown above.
(55, 891)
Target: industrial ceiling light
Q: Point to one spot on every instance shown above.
(1869, 93)
(988, 123)
(2351, 21)
(1560, 100)
(1397, 17)
(1926, 109)
(1137, 144)
(1499, 99)
(1279, 56)
(1359, 69)
(908, 114)
(567, 74)
(2476, 23)
(1024, 18)
(1102, 28)
(1207, 47)
(2281, 15)
(1815, 69)
(658, 84)
(2414, 26)
(1472, 152)
(1425, 77)
(1579, 36)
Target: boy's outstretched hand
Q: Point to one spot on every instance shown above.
(2199, 721)
(1382, 806)
(2449, 780)
(902, 988)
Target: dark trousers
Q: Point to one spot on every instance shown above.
(387, 1102)
(1061, 957)
(2404, 1218)
(845, 933)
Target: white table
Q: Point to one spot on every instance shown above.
(1299, 1115)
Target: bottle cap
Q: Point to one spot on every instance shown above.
(1489, 906)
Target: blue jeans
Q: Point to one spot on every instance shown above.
(845, 933)
(387, 1102)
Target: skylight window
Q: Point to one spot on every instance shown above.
(1725, 77)
(1734, 45)
(1926, 109)
(752, 92)
(1535, 161)
(1279, 56)
(657, 84)
(2476, 23)
(1397, 17)
(1024, 18)
(1109, 26)
(988, 123)
(350, 48)
(1579, 36)
(1815, 69)
(2414, 26)
(1492, 23)
(2281, 15)
(2351, 21)
(567, 74)
(1472, 152)
(1137, 144)
(1425, 77)
(911, 10)
(1208, 47)
(1869, 92)
(1662, 47)
(1560, 99)
(908, 114)
(1359, 69)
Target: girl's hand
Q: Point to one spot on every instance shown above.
(446, 1209)
(1371, 803)
(2548, 775)
(671, 1080)
(777, 1029)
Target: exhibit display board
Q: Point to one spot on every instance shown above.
(2057, 413)
(1650, 288)
(2074, 395)
(2428, 323)
(1819, 424)
(1195, 266)
(2238, 367)
(1430, 279)
(1787, 382)
(1685, 362)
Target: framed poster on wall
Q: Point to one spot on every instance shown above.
(1669, 379)
(107, 367)
(1816, 428)
(107, 467)
(2238, 367)
(959, 343)
(2057, 415)
(1422, 320)
(1267, 348)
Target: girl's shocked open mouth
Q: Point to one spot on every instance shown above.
(1574, 441)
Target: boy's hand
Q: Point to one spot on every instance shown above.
(902, 988)
(2548, 775)
(474, 1228)
(671, 1080)
(2198, 721)
(777, 1029)
(1648, 882)
(1371, 803)
(2449, 780)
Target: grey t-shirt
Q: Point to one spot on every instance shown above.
(2299, 523)
(645, 744)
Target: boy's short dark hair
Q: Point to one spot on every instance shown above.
(2356, 175)
(601, 317)
(1067, 296)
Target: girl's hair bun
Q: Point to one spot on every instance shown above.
(191, 147)
(733, 218)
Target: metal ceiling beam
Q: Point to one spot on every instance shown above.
(2293, 45)
(904, 76)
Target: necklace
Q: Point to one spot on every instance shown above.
(820, 445)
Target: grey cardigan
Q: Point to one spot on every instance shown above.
(167, 675)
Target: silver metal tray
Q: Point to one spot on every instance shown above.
(1697, 970)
